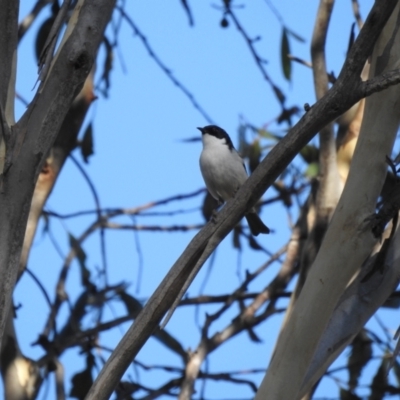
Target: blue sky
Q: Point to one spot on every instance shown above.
(140, 157)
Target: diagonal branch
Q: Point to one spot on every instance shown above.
(379, 83)
(36, 131)
(346, 91)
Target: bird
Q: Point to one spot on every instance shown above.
(224, 171)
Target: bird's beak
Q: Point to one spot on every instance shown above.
(200, 129)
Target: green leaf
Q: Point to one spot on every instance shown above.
(310, 154)
(87, 143)
(285, 51)
(242, 140)
(312, 170)
(254, 154)
(268, 135)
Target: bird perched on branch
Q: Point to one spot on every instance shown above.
(224, 172)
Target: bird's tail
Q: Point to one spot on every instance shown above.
(255, 224)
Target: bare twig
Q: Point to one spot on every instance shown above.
(163, 67)
(260, 62)
(224, 298)
(99, 215)
(154, 228)
(114, 212)
(40, 285)
(300, 61)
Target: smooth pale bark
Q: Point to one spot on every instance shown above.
(349, 240)
(329, 189)
(359, 302)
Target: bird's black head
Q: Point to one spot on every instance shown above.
(217, 132)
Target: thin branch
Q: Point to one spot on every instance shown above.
(114, 212)
(140, 257)
(381, 82)
(260, 62)
(163, 390)
(225, 376)
(188, 11)
(245, 320)
(300, 61)
(60, 291)
(121, 212)
(40, 285)
(154, 228)
(99, 215)
(163, 67)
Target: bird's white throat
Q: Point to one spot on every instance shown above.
(210, 141)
